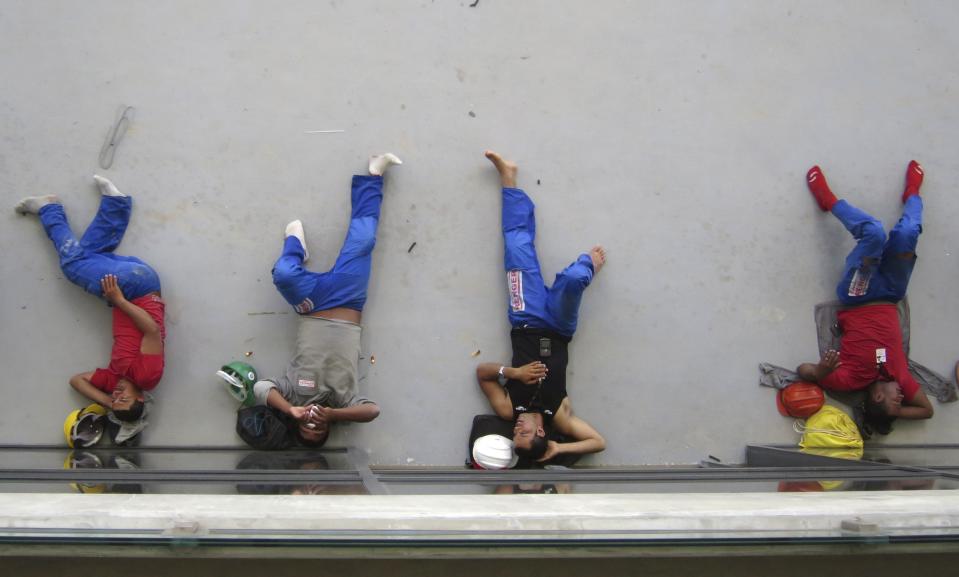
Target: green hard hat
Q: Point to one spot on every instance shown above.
(239, 378)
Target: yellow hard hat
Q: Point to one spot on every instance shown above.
(84, 427)
(84, 460)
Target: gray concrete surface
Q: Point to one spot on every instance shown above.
(676, 133)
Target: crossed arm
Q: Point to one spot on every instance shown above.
(487, 374)
(362, 413)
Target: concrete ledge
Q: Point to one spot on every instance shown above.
(525, 524)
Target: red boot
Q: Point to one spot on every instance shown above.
(820, 189)
(913, 180)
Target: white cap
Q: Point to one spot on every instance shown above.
(494, 452)
(233, 384)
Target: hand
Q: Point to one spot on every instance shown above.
(301, 414)
(552, 449)
(829, 362)
(531, 373)
(319, 414)
(111, 290)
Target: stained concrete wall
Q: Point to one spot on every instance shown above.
(676, 133)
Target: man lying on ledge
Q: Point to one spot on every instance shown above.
(532, 392)
(875, 277)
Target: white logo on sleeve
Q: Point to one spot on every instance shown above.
(859, 285)
(304, 307)
(514, 280)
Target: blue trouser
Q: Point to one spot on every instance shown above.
(345, 284)
(878, 269)
(88, 260)
(531, 302)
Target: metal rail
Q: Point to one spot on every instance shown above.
(377, 479)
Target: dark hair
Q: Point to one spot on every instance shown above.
(310, 442)
(874, 418)
(537, 448)
(132, 414)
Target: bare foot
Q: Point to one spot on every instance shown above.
(598, 254)
(33, 204)
(506, 168)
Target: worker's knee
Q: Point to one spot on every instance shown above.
(286, 270)
(362, 244)
(873, 233)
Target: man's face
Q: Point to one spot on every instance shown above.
(891, 397)
(314, 434)
(124, 395)
(526, 427)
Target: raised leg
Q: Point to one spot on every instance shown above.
(75, 261)
(294, 282)
(524, 279)
(857, 284)
(899, 254)
(108, 226)
(356, 253)
(345, 285)
(104, 234)
(349, 279)
(562, 304)
(85, 262)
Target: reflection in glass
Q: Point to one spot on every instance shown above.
(103, 459)
(292, 461)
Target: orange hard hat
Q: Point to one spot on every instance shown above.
(800, 400)
(800, 487)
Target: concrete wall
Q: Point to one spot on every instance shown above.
(676, 133)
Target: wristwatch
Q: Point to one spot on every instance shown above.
(502, 376)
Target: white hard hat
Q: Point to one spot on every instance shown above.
(494, 452)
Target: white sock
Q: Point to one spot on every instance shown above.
(33, 204)
(106, 187)
(295, 228)
(380, 162)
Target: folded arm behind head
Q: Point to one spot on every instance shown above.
(586, 439)
(918, 407)
(81, 383)
(884, 403)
